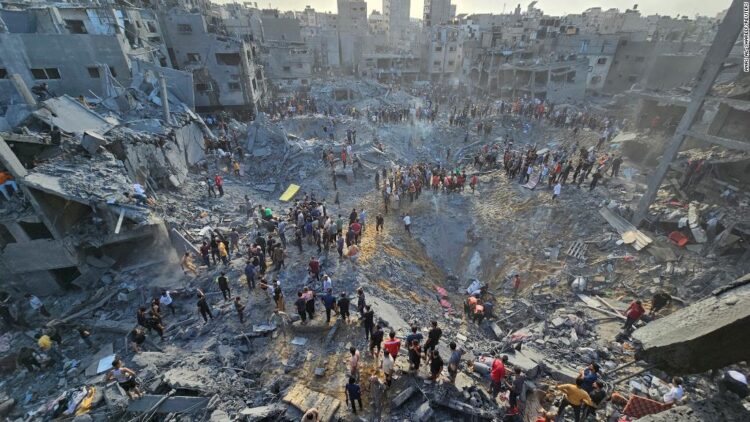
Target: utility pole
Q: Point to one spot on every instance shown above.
(725, 38)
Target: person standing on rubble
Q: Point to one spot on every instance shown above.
(314, 268)
(589, 376)
(219, 181)
(210, 186)
(224, 285)
(634, 312)
(497, 375)
(329, 302)
(309, 297)
(203, 307)
(407, 224)
(376, 339)
(240, 309)
(299, 304)
(388, 367)
(436, 365)
(595, 179)
(454, 362)
(516, 387)
(392, 345)
(166, 300)
(234, 242)
(353, 394)
(250, 275)
(433, 338)
(575, 397)
(343, 305)
(354, 362)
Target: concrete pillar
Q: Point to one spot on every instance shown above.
(23, 90)
(165, 98)
(725, 38)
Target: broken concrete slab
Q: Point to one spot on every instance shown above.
(701, 336)
(71, 116)
(171, 404)
(304, 398)
(92, 141)
(424, 412)
(403, 396)
(299, 341)
(260, 413)
(38, 254)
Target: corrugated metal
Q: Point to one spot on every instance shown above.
(629, 233)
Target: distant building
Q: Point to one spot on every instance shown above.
(653, 64)
(396, 14)
(286, 58)
(599, 50)
(224, 68)
(438, 12)
(352, 28)
(441, 55)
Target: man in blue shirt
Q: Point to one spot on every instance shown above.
(250, 274)
(353, 394)
(589, 376)
(414, 336)
(328, 302)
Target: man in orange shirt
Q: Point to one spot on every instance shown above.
(6, 181)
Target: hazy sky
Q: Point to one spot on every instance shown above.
(552, 7)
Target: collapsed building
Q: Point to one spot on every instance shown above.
(75, 166)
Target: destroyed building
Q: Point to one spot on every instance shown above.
(75, 49)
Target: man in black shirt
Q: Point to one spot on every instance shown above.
(203, 307)
(598, 395)
(343, 304)
(224, 286)
(300, 305)
(368, 318)
(433, 337)
(376, 339)
(436, 365)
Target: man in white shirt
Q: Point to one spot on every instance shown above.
(407, 224)
(556, 191)
(675, 394)
(166, 300)
(327, 283)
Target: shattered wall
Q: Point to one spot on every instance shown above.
(21, 52)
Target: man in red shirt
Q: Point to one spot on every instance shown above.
(314, 268)
(219, 182)
(473, 183)
(516, 284)
(357, 229)
(497, 375)
(633, 314)
(392, 345)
